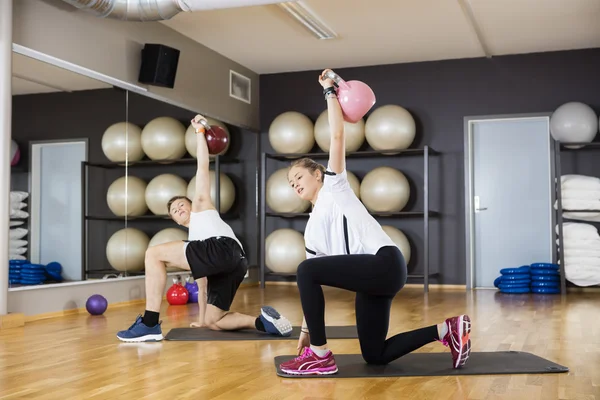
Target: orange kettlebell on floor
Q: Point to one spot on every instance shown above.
(177, 294)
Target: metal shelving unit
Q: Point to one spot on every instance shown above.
(559, 147)
(426, 213)
(85, 165)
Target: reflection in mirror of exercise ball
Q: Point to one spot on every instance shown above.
(161, 189)
(227, 191)
(284, 251)
(126, 249)
(292, 132)
(354, 132)
(390, 127)
(169, 235)
(163, 138)
(354, 183)
(191, 141)
(121, 137)
(400, 239)
(281, 197)
(574, 122)
(134, 203)
(384, 189)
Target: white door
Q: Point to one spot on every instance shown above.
(56, 205)
(511, 205)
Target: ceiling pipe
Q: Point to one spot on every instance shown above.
(156, 10)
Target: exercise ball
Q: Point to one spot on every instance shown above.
(227, 191)
(15, 153)
(161, 189)
(126, 249)
(354, 183)
(281, 198)
(574, 122)
(169, 235)
(292, 132)
(191, 142)
(400, 239)
(96, 304)
(123, 139)
(390, 127)
(354, 133)
(384, 189)
(127, 203)
(163, 138)
(284, 251)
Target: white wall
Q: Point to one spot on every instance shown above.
(113, 48)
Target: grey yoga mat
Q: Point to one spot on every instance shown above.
(436, 364)
(205, 334)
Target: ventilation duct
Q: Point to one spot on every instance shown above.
(156, 10)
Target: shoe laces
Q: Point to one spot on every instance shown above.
(305, 354)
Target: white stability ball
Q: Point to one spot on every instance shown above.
(161, 189)
(384, 189)
(121, 138)
(163, 138)
(126, 250)
(191, 142)
(354, 133)
(400, 239)
(168, 235)
(292, 132)
(126, 196)
(354, 183)
(390, 127)
(284, 251)
(227, 191)
(574, 122)
(281, 197)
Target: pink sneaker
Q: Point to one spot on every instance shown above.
(308, 363)
(458, 339)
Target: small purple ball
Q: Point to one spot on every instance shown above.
(96, 304)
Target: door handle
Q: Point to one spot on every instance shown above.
(477, 208)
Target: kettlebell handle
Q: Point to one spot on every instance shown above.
(337, 80)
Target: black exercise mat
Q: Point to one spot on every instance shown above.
(205, 334)
(436, 364)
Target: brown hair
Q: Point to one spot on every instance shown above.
(309, 164)
(175, 199)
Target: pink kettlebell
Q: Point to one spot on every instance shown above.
(356, 98)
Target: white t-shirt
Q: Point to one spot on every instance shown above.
(207, 224)
(340, 224)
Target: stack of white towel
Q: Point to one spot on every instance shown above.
(581, 253)
(580, 192)
(18, 235)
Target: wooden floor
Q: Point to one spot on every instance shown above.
(79, 357)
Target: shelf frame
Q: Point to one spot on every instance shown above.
(425, 152)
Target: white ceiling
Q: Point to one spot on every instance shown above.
(32, 76)
(375, 32)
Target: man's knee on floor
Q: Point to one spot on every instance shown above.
(211, 319)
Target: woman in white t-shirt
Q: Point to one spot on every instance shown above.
(347, 248)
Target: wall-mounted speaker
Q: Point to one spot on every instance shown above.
(159, 65)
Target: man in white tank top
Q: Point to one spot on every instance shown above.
(215, 257)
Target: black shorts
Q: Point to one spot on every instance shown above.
(223, 262)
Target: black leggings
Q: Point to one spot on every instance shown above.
(376, 279)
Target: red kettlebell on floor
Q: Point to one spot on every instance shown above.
(355, 97)
(216, 138)
(177, 294)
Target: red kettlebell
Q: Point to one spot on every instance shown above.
(355, 97)
(216, 138)
(177, 294)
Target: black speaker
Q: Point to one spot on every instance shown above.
(159, 65)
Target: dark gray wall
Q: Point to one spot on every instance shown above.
(88, 114)
(439, 95)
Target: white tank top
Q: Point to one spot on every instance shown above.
(207, 224)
